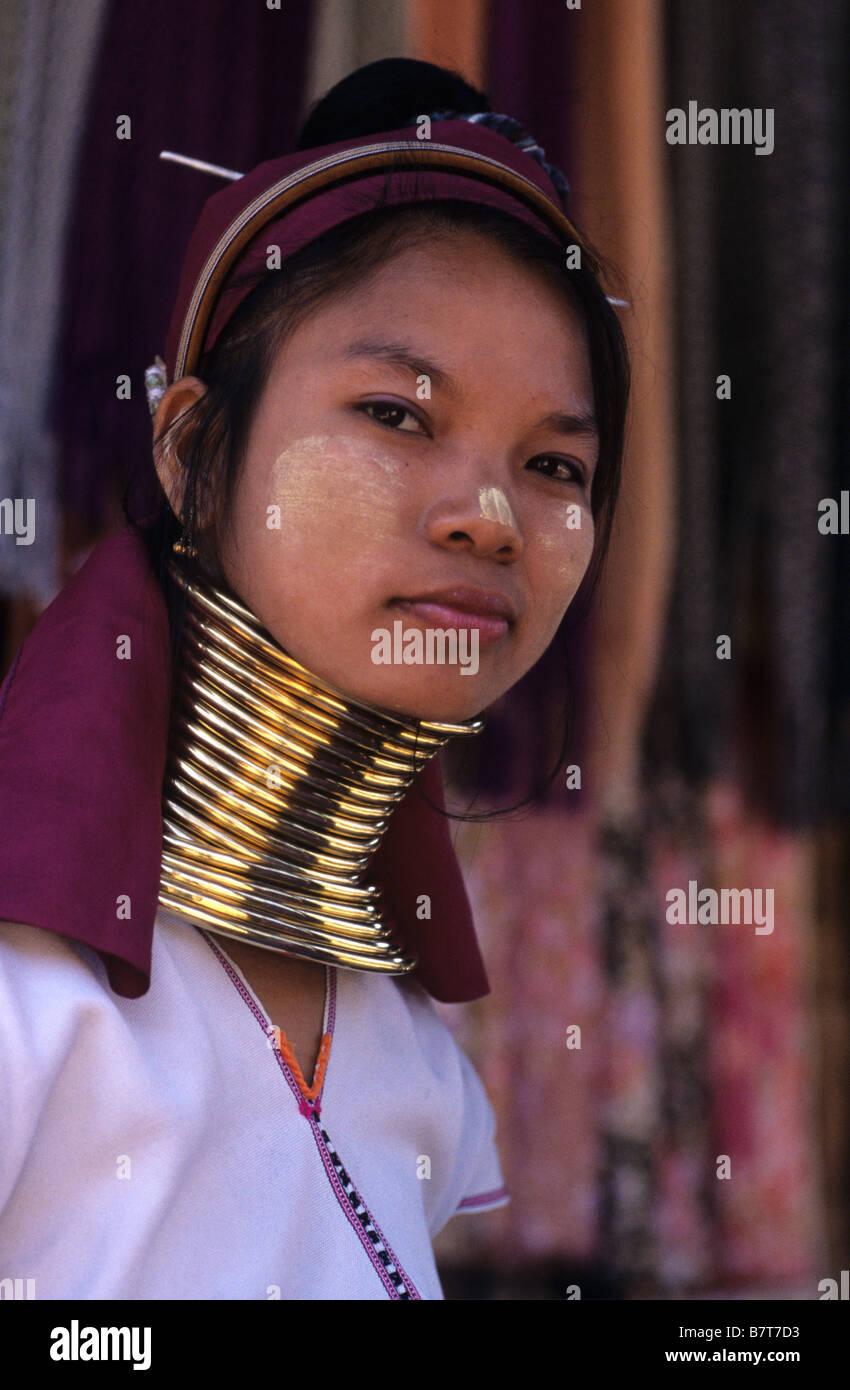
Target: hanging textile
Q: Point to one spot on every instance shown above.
(348, 34)
(179, 73)
(451, 35)
(54, 50)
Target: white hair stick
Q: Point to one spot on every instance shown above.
(199, 164)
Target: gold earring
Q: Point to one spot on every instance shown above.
(184, 545)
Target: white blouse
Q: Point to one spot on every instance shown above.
(163, 1148)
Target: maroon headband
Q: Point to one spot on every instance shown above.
(288, 202)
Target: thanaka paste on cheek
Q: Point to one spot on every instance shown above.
(320, 478)
(567, 551)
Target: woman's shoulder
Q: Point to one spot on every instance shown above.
(477, 1180)
(423, 1045)
(44, 979)
(23, 944)
(49, 992)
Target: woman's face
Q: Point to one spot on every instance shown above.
(421, 458)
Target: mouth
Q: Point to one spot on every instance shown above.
(492, 614)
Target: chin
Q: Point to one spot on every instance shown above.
(428, 692)
(414, 700)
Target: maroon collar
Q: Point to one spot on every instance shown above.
(84, 715)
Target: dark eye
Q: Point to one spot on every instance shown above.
(390, 414)
(571, 472)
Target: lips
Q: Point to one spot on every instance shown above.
(487, 603)
(489, 612)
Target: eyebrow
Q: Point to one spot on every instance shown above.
(579, 423)
(400, 355)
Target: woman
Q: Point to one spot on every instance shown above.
(392, 430)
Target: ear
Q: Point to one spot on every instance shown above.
(174, 403)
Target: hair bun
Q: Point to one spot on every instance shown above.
(387, 95)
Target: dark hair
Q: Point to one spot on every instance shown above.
(385, 96)
(211, 437)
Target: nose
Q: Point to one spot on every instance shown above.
(481, 522)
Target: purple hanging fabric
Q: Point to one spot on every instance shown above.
(532, 51)
(531, 76)
(211, 78)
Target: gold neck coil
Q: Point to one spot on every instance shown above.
(277, 792)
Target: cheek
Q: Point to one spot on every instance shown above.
(562, 552)
(334, 495)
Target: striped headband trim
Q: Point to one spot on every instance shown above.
(324, 173)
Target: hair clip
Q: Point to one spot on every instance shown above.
(514, 131)
(156, 383)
